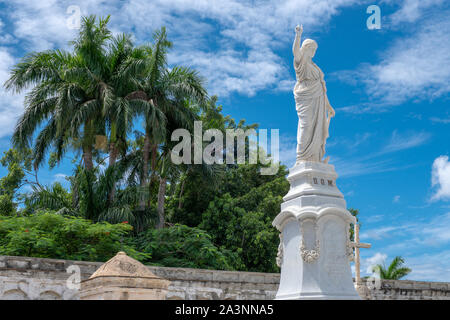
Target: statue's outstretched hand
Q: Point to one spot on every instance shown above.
(299, 29)
(331, 112)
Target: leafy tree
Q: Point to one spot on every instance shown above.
(49, 235)
(7, 205)
(182, 246)
(20, 173)
(241, 219)
(395, 271)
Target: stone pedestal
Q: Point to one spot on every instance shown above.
(123, 278)
(315, 250)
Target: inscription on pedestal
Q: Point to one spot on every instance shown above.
(329, 183)
(335, 268)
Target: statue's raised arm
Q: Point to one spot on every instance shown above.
(296, 50)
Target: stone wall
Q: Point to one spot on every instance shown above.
(37, 278)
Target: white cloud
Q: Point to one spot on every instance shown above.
(349, 143)
(416, 67)
(429, 266)
(396, 199)
(361, 166)
(10, 105)
(405, 141)
(438, 230)
(426, 232)
(5, 38)
(369, 263)
(351, 193)
(440, 178)
(440, 120)
(245, 34)
(412, 10)
(379, 233)
(374, 218)
(59, 177)
(372, 162)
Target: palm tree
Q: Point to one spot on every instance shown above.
(53, 98)
(65, 95)
(395, 271)
(165, 95)
(98, 90)
(79, 95)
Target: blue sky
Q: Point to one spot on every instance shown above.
(390, 87)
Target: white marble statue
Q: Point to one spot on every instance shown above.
(311, 101)
(315, 249)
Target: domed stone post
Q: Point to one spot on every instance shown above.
(315, 249)
(123, 278)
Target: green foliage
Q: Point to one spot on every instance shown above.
(49, 235)
(395, 271)
(16, 162)
(19, 166)
(182, 246)
(241, 219)
(355, 213)
(7, 206)
(54, 197)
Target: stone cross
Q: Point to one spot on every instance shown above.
(356, 244)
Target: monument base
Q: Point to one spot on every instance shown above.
(315, 249)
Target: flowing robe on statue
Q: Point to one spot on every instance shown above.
(311, 103)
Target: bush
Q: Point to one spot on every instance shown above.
(50, 235)
(183, 246)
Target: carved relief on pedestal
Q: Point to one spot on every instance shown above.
(309, 256)
(279, 258)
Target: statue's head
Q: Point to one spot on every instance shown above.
(309, 47)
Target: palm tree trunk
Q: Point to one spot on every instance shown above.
(180, 202)
(87, 157)
(153, 164)
(153, 177)
(87, 146)
(161, 201)
(144, 173)
(112, 161)
(112, 154)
